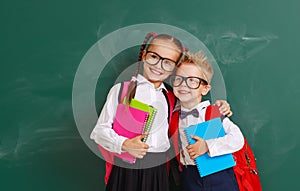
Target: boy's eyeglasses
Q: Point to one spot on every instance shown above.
(153, 58)
(191, 82)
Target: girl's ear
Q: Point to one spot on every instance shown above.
(143, 54)
(205, 90)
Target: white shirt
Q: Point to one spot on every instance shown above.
(231, 142)
(158, 140)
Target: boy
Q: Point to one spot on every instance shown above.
(190, 84)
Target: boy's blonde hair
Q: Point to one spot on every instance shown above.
(200, 60)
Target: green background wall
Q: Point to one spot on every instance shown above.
(255, 43)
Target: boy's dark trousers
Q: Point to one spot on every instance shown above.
(221, 181)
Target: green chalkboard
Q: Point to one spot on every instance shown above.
(254, 43)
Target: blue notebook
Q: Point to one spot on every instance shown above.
(208, 130)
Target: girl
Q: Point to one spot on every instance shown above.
(160, 55)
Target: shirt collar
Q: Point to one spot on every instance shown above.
(199, 106)
(142, 80)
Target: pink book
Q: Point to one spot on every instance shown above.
(129, 122)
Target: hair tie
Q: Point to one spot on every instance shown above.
(183, 48)
(154, 35)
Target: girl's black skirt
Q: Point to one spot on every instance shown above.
(147, 174)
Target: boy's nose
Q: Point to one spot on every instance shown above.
(183, 83)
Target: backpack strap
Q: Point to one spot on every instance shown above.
(174, 134)
(171, 100)
(174, 163)
(123, 90)
(212, 112)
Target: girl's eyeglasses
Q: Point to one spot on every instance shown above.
(153, 58)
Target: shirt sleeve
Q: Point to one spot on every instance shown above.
(103, 134)
(231, 142)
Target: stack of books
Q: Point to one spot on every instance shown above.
(131, 121)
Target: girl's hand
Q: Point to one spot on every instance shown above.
(224, 107)
(135, 146)
(197, 149)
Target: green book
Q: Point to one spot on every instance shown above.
(148, 108)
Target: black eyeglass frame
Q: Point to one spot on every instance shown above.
(172, 79)
(161, 59)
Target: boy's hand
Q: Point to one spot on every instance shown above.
(197, 149)
(224, 107)
(135, 146)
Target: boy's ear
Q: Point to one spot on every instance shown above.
(205, 90)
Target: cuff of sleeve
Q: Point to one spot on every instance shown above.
(120, 141)
(210, 146)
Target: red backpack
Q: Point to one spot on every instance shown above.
(245, 169)
(109, 158)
